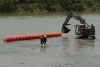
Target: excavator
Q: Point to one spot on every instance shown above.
(82, 30)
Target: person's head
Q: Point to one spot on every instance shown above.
(45, 36)
(92, 24)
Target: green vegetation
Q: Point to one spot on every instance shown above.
(59, 65)
(48, 5)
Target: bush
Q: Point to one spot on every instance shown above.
(48, 5)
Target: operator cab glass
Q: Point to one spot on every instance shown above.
(78, 28)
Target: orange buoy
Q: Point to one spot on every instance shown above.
(30, 36)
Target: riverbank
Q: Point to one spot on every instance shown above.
(9, 6)
(46, 13)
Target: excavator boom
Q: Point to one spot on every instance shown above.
(75, 16)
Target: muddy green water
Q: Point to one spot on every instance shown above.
(66, 50)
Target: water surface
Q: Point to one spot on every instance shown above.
(65, 50)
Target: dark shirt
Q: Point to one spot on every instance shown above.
(45, 39)
(41, 38)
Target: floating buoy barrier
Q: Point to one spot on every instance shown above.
(30, 36)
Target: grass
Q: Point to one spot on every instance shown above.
(59, 65)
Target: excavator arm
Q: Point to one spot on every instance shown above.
(75, 16)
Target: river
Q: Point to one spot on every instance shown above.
(66, 50)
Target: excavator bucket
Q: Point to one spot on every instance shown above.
(65, 29)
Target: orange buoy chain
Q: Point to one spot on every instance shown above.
(30, 36)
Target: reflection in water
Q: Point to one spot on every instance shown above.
(76, 50)
(66, 40)
(84, 47)
(43, 48)
(82, 42)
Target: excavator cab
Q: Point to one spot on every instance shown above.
(84, 32)
(78, 28)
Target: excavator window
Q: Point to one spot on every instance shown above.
(79, 28)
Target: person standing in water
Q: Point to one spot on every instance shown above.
(44, 39)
